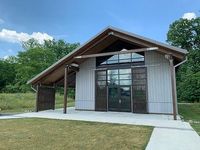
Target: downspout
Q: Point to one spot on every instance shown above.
(173, 82)
(36, 91)
(182, 62)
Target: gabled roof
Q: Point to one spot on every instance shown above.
(109, 31)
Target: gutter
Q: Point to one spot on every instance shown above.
(181, 62)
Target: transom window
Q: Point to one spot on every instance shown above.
(123, 58)
(114, 77)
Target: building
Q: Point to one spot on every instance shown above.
(115, 71)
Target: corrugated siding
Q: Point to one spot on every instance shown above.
(85, 85)
(159, 83)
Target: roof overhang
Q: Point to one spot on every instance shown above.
(103, 39)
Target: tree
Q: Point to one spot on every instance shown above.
(186, 34)
(7, 72)
(30, 63)
(60, 48)
(37, 57)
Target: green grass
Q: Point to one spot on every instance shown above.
(48, 134)
(191, 113)
(24, 102)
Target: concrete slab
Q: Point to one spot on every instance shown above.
(111, 117)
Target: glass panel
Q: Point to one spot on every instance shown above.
(137, 57)
(113, 82)
(124, 71)
(125, 76)
(112, 61)
(124, 58)
(100, 73)
(125, 82)
(101, 78)
(113, 96)
(143, 81)
(125, 91)
(101, 82)
(139, 70)
(139, 76)
(113, 77)
(113, 71)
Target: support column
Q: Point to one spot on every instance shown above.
(173, 83)
(65, 90)
(37, 98)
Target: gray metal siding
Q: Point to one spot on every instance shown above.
(159, 83)
(85, 85)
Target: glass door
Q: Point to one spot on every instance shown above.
(119, 90)
(113, 98)
(125, 98)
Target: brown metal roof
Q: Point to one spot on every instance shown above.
(104, 38)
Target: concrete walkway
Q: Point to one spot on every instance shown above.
(167, 134)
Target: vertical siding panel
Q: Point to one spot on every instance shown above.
(85, 85)
(159, 83)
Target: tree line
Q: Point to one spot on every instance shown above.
(34, 58)
(15, 71)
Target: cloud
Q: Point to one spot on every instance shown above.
(1, 21)
(15, 37)
(6, 57)
(189, 15)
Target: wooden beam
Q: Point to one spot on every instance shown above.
(37, 98)
(65, 90)
(172, 71)
(116, 53)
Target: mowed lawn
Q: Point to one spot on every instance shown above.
(191, 113)
(25, 102)
(43, 134)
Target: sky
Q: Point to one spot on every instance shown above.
(79, 20)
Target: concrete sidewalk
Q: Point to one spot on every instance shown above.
(168, 134)
(173, 139)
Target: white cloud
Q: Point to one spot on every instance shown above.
(189, 15)
(1, 21)
(15, 37)
(5, 57)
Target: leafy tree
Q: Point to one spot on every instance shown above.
(186, 34)
(30, 63)
(37, 57)
(7, 72)
(60, 48)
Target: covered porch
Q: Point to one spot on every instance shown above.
(157, 120)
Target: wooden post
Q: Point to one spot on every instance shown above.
(172, 71)
(65, 90)
(37, 98)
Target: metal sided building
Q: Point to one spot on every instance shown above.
(115, 71)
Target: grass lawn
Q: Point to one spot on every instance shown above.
(48, 134)
(24, 102)
(191, 113)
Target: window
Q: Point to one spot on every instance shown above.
(120, 58)
(119, 77)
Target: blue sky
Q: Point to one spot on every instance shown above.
(79, 20)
